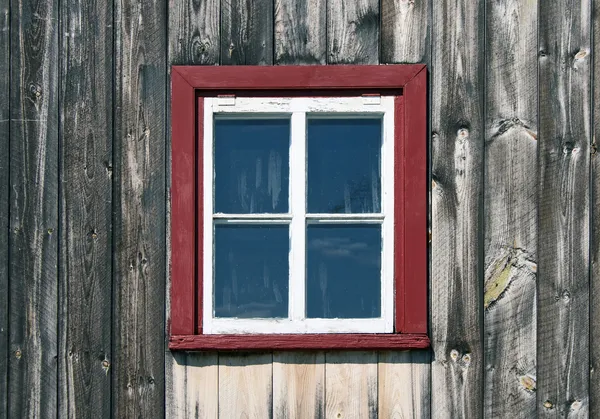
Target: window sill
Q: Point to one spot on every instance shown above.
(300, 341)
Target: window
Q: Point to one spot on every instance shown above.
(298, 207)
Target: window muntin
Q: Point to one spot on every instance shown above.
(309, 119)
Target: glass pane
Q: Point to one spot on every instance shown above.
(251, 165)
(343, 271)
(344, 165)
(251, 271)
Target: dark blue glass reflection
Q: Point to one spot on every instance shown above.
(343, 265)
(344, 165)
(251, 271)
(251, 165)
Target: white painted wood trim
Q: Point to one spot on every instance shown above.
(208, 176)
(282, 326)
(387, 207)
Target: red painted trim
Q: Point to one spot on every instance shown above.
(415, 205)
(307, 341)
(199, 213)
(183, 197)
(399, 138)
(299, 77)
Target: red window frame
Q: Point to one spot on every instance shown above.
(189, 85)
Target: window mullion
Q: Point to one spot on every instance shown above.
(298, 209)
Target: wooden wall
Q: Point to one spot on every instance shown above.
(515, 249)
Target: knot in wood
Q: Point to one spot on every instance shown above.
(454, 354)
(18, 354)
(581, 55)
(466, 359)
(548, 404)
(463, 133)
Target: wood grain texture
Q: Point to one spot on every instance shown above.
(299, 385)
(139, 209)
(457, 173)
(300, 32)
(246, 386)
(404, 387)
(34, 185)
(510, 209)
(86, 192)
(353, 32)
(563, 247)
(247, 32)
(595, 227)
(194, 32)
(405, 31)
(4, 198)
(351, 385)
(192, 385)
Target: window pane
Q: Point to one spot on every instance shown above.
(343, 271)
(344, 165)
(251, 271)
(252, 165)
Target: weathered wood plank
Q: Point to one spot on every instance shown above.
(192, 387)
(595, 227)
(353, 32)
(4, 198)
(351, 385)
(404, 384)
(300, 32)
(247, 32)
(194, 32)
(246, 386)
(457, 173)
(298, 385)
(86, 192)
(564, 163)
(139, 208)
(34, 184)
(405, 31)
(510, 209)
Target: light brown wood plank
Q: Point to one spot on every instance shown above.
(510, 209)
(564, 70)
(298, 385)
(245, 386)
(353, 32)
(404, 384)
(351, 385)
(457, 173)
(192, 385)
(405, 31)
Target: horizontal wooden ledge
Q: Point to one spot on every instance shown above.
(298, 341)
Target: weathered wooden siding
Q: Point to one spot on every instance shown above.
(515, 250)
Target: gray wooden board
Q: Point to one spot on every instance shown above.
(510, 210)
(4, 197)
(139, 209)
(405, 31)
(194, 32)
(457, 172)
(595, 227)
(353, 32)
(33, 236)
(563, 273)
(247, 32)
(300, 32)
(86, 196)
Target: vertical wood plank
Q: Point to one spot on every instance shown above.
(4, 197)
(139, 209)
(33, 236)
(192, 387)
(457, 173)
(246, 386)
(247, 32)
(595, 227)
(298, 385)
(564, 163)
(405, 31)
(351, 385)
(404, 384)
(300, 32)
(353, 32)
(510, 209)
(194, 32)
(86, 195)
